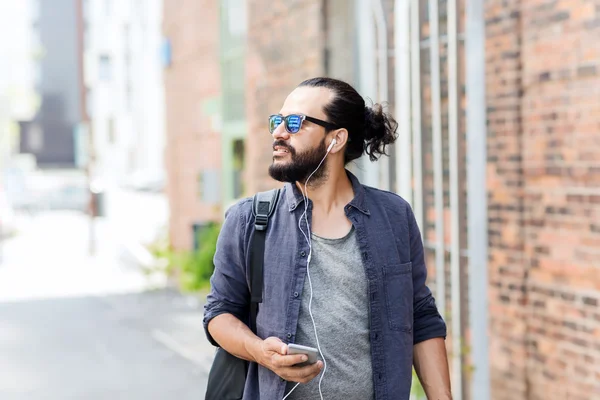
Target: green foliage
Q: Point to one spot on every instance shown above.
(192, 269)
(197, 267)
(160, 248)
(416, 390)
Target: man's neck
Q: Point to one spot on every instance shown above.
(335, 191)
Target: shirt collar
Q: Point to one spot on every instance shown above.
(294, 196)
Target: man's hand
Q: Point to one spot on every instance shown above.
(272, 354)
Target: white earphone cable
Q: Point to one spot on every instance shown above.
(308, 238)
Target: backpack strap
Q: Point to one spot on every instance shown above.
(263, 206)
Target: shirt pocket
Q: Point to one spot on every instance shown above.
(398, 287)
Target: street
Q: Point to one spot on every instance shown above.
(80, 327)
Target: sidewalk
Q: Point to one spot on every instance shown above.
(48, 260)
(178, 325)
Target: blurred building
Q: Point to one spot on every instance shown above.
(50, 134)
(17, 74)
(498, 104)
(124, 87)
(194, 103)
(543, 180)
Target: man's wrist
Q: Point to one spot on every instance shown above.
(252, 346)
(439, 395)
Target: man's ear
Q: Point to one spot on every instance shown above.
(341, 138)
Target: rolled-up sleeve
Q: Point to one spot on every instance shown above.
(428, 323)
(229, 293)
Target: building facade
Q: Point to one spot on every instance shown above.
(193, 94)
(543, 100)
(124, 89)
(50, 136)
(498, 106)
(18, 100)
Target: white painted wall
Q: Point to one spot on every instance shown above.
(131, 97)
(17, 70)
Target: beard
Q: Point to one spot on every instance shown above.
(301, 165)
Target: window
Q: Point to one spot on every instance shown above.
(236, 17)
(86, 9)
(37, 74)
(127, 67)
(233, 33)
(233, 89)
(208, 185)
(105, 68)
(35, 11)
(238, 168)
(87, 40)
(165, 52)
(35, 139)
(128, 96)
(111, 131)
(89, 100)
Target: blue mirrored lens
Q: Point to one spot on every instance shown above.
(274, 122)
(293, 123)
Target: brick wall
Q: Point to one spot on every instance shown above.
(543, 99)
(285, 46)
(192, 85)
(505, 201)
(544, 119)
(561, 148)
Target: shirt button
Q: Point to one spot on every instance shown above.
(296, 294)
(303, 253)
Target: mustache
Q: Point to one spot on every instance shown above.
(281, 143)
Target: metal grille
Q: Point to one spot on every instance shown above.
(433, 173)
(432, 90)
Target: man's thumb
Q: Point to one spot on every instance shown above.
(275, 344)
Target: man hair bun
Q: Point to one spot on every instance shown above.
(380, 131)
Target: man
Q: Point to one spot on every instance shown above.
(344, 270)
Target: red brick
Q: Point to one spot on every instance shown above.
(272, 74)
(190, 81)
(553, 132)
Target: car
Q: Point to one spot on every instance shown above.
(146, 182)
(68, 197)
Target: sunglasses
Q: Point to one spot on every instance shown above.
(293, 122)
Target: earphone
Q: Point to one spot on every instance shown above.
(309, 241)
(333, 142)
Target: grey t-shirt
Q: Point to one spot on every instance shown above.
(340, 307)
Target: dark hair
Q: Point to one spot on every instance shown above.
(370, 129)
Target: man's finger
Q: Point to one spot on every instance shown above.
(306, 373)
(288, 360)
(276, 345)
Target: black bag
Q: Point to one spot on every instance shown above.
(227, 376)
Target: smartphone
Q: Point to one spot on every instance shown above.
(311, 352)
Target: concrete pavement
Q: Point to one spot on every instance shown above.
(75, 327)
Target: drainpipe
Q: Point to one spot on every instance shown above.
(415, 84)
(368, 171)
(382, 95)
(477, 198)
(402, 97)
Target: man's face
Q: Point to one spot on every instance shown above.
(296, 156)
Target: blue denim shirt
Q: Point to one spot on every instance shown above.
(402, 309)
